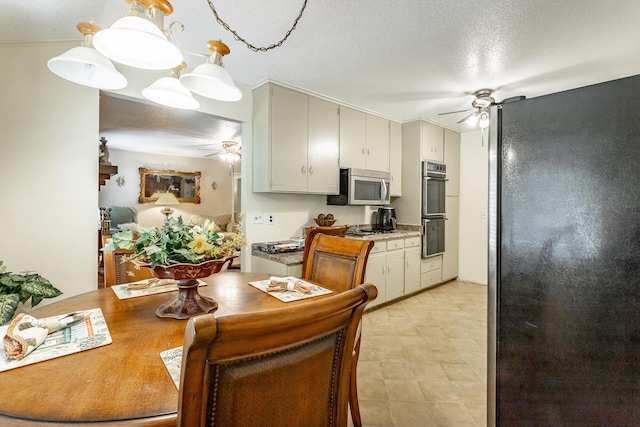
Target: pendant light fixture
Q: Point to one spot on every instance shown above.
(168, 91)
(138, 40)
(86, 66)
(210, 79)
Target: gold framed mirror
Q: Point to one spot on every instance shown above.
(184, 185)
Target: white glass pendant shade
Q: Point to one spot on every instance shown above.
(484, 120)
(137, 42)
(86, 66)
(168, 91)
(212, 81)
(472, 120)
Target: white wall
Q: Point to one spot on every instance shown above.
(49, 169)
(49, 165)
(474, 196)
(214, 202)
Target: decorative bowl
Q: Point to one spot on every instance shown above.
(324, 222)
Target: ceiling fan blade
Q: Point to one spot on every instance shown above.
(453, 112)
(467, 116)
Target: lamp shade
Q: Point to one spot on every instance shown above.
(86, 66)
(166, 199)
(212, 81)
(168, 91)
(137, 42)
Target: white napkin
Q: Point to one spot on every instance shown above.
(25, 333)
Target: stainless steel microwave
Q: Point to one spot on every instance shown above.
(362, 187)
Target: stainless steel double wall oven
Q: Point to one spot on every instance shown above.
(434, 179)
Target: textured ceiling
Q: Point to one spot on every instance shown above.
(404, 59)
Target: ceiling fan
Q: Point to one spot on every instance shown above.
(229, 152)
(480, 108)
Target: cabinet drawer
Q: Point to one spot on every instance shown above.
(430, 278)
(395, 244)
(378, 246)
(412, 242)
(432, 263)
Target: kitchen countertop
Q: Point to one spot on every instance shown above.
(293, 258)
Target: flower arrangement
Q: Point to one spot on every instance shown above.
(18, 288)
(177, 242)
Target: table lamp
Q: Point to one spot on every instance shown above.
(165, 199)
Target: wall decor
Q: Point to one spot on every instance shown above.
(184, 185)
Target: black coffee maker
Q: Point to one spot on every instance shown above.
(386, 219)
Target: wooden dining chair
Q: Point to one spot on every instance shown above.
(340, 264)
(340, 231)
(117, 272)
(284, 367)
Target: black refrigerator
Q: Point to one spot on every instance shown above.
(564, 258)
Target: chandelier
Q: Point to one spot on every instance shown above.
(139, 40)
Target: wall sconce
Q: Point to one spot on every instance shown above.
(120, 181)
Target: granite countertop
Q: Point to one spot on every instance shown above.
(293, 258)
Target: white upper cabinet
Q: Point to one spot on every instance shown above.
(377, 146)
(395, 158)
(452, 160)
(323, 175)
(432, 142)
(353, 138)
(289, 135)
(295, 142)
(364, 140)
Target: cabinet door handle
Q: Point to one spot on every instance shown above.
(368, 151)
(302, 169)
(310, 170)
(362, 150)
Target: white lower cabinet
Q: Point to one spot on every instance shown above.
(385, 269)
(377, 273)
(394, 266)
(412, 270)
(262, 265)
(430, 271)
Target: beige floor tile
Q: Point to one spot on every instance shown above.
(375, 413)
(459, 372)
(423, 360)
(371, 389)
(411, 414)
(403, 390)
(396, 370)
(439, 392)
(450, 415)
(479, 414)
(428, 371)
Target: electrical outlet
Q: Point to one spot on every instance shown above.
(271, 219)
(257, 218)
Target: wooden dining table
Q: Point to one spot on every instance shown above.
(125, 382)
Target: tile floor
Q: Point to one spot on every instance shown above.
(423, 360)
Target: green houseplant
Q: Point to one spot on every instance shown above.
(176, 242)
(183, 252)
(16, 288)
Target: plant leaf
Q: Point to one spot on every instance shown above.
(8, 306)
(40, 289)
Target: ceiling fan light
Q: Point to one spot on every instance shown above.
(472, 120)
(168, 91)
(86, 66)
(212, 81)
(484, 120)
(137, 42)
